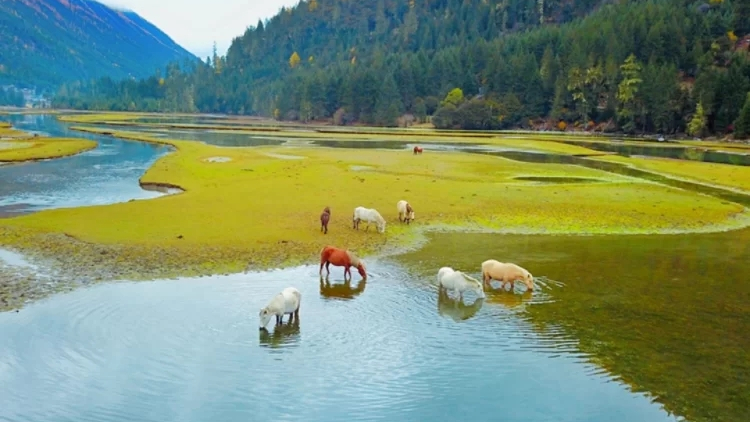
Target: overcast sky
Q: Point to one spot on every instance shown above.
(196, 24)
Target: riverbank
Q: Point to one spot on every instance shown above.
(19, 146)
(257, 209)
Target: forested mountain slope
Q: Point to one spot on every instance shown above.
(46, 42)
(648, 65)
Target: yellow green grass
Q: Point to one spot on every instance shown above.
(39, 148)
(262, 208)
(7, 131)
(723, 175)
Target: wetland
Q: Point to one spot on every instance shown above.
(640, 314)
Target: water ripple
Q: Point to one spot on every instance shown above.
(191, 350)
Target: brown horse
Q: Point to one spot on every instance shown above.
(417, 150)
(324, 218)
(341, 258)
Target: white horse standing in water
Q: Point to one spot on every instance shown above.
(450, 279)
(285, 302)
(368, 215)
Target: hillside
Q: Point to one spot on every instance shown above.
(47, 42)
(636, 66)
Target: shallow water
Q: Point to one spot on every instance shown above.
(668, 313)
(671, 151)
(104, 175)
(191, 350)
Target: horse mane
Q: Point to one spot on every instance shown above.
(378, 216)
(353, 258)
(409, 208)
(469, 278)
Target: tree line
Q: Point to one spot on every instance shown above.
(11, 97)
(656, 66)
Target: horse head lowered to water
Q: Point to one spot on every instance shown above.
(450, 279)
(341, 258)
(506, 272)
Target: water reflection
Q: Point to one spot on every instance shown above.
(284, 335)
(186, 350)
(343, 291)
(676, 152)
(508, 300)
(667, 313)
(456, 309)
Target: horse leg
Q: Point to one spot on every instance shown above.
(296, 314)
(279, 318)
(328, 271)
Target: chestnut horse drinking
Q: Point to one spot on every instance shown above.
(341, 258)
(417, 150)
(324, 218)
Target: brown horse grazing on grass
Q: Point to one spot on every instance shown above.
(324, 218)
(341, 258)
(417, 150)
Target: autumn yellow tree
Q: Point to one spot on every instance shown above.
(294, 60)
(312, 5)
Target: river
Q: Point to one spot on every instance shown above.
(104, 175)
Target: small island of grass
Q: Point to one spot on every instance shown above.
(18, 146)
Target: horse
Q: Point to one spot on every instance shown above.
(369, 215)
(406, 210)
(325, 216)
(506, 272)
(285, 302)
(448, 278)
(341, 258)
(417, 150)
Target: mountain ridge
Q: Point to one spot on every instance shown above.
(48, 42)
(649, 66)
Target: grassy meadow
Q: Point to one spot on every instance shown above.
(259, 207)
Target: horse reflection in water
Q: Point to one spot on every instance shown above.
(283, 335)
(341, 291)
(456, 309)
(508, 299)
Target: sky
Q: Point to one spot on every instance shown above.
(196, 24)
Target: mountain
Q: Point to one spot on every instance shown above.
(666, 66)
(47, 42)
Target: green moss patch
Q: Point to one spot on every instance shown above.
(258, 210)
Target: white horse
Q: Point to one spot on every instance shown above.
(506, 272)
(368, 215)
(448, 278)
(286, 302)
(405, 210)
